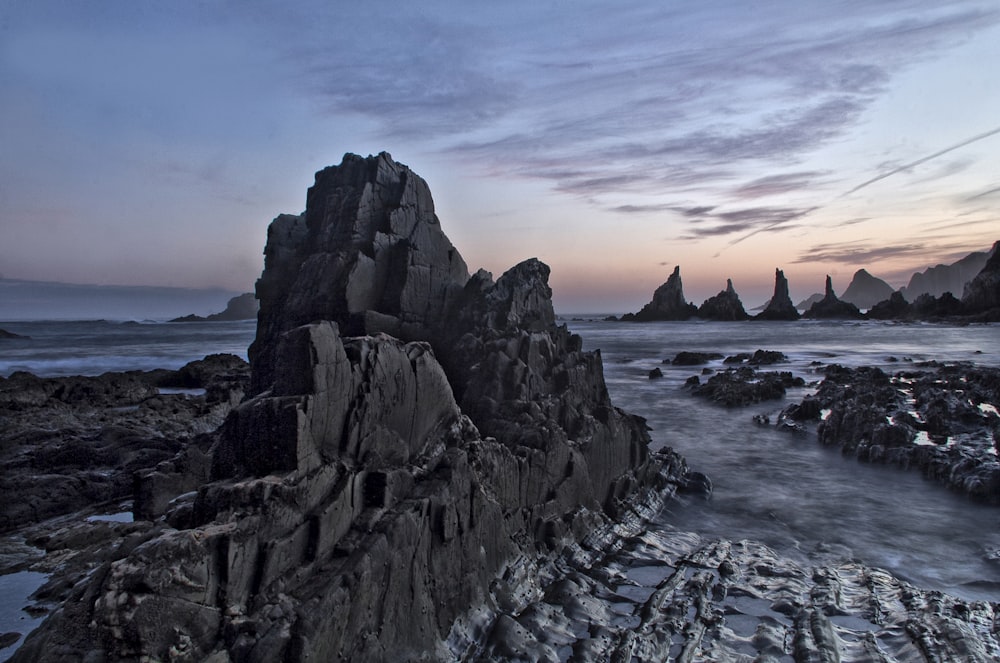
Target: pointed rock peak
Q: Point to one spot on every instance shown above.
(862, 273)
(677, 271)
(829, 287)
(729, 286)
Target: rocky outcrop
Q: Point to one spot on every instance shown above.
(741, 386)
(865, 290)
(380, 497)
(831, 307)
(725, 306)
(4, 334)
(940, 419)
(937, 280)
(780, 307)
(71, 442)
(982, 294)
(893, 308)
(668, 303)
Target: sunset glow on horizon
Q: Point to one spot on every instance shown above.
(152, 145)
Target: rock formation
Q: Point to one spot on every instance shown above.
(831, 307)
(780, 307)
(241, 307)
(725, 306)
(865, 290)
(668, 303)
(893, 308)
(937, 280)
(982, 293)
(4, 334)
(379, 497)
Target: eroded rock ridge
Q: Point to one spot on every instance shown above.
(417, 443)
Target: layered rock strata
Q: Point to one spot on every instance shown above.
(370, 502)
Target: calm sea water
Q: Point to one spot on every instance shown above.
(57, 348)
(781, 488)
(786, 489)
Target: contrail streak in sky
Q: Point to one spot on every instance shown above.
(873, 180)
(920, 161)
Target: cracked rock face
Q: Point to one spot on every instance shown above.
(415, 440)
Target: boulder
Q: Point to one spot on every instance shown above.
(780, 307)
(725, 306)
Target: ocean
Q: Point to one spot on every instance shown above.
(778, 487)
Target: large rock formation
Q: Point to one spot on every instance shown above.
(370, 502)
(725, 306)
(780, 307)
(830, 307)
(668, 303)
(982, 293)
(865, 290)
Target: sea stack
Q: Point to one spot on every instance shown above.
(417, 446)
(725, 306)
(831, 307)
(668, 303)
(780, 307)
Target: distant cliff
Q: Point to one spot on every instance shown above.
(937, 280)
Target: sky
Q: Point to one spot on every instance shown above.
(151, 142)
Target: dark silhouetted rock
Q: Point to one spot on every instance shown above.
(744, 386)
(241, 307)
(757, 358)
(927, 307)
(668, 303)
(830, 307)
(725, 306)
(893, 308)
(780, 307)
(865, 290)
(694, 358)
(655, 373)
(982, 293)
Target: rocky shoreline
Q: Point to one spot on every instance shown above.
(419, 464)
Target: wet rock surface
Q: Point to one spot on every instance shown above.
(69, 442)
(831, 307)
(941, 419)
(736, 387)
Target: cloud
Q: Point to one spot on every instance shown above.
(777, 184)
(862, 252)
(983, 194)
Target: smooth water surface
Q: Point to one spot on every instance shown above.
(57, 348)
(784, 488)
